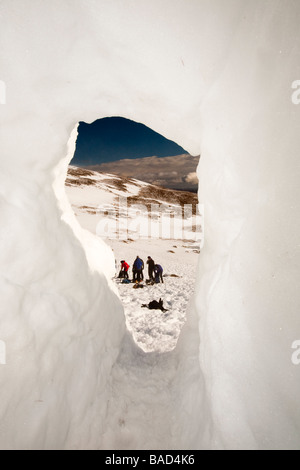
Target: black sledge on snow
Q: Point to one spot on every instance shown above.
(154, 305)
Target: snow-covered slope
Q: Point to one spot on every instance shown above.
(120, 207)
(91, 194)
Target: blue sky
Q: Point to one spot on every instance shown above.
(115, 138)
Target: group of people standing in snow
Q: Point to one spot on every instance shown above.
(155, 271)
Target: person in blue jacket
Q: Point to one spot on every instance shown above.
(137, 269)
(158, 271)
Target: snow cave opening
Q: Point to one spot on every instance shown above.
(144, 207)
(219, 73)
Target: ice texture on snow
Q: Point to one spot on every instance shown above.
(215, 77)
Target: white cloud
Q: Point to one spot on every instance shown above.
(192, 178)
(172, 172)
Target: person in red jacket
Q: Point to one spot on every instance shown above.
(124, 269)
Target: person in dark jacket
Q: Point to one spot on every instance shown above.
(151, 265)
(158, 270)
(137, 269)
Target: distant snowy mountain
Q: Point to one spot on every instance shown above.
(175, 172)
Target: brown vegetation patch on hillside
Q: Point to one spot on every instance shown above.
(168, 195)
(80, 182)
(156, 195)
(78, 172)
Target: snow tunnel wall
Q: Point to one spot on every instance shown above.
(215, 77)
